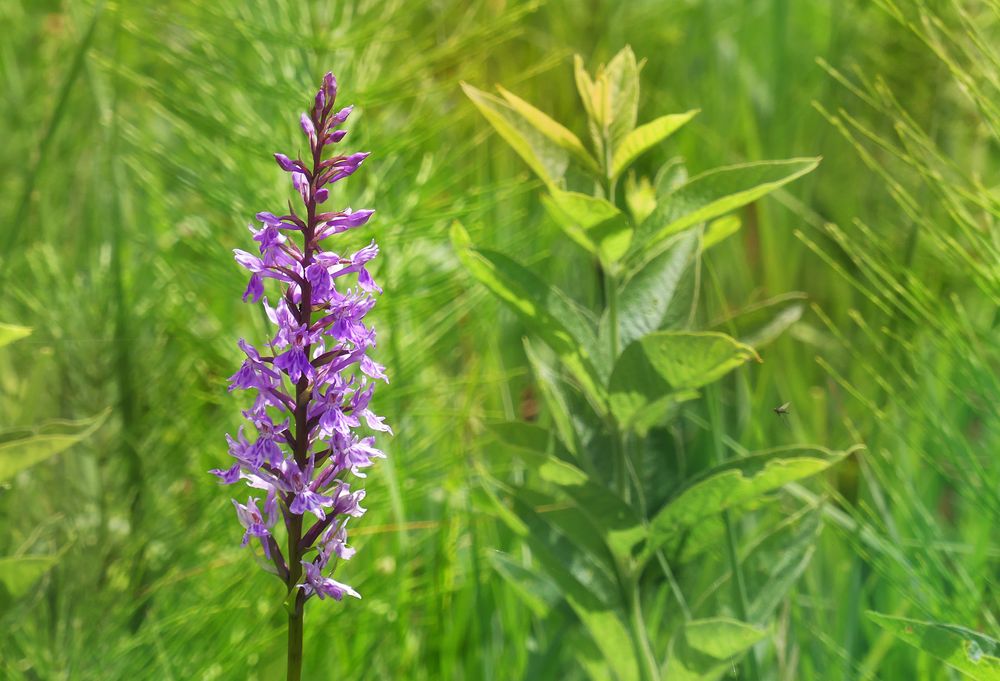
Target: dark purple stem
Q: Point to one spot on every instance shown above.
(301, 439)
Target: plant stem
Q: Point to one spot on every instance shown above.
(644, 657)
(296, 601)
(301, 444)
(617, 438)
(294, 672)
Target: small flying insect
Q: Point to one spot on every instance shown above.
(782, 412)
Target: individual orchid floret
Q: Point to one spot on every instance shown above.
(322, 586)
(255, 524)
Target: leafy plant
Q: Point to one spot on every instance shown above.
(609, 376)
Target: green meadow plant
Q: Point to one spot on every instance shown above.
(601, 527)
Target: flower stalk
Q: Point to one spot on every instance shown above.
(314, 383)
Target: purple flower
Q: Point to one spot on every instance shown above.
(322, 586)
(341, 222)
(309, 129)
(334, 542)
(288, 164)
(254, 289)
(251, 518)
(342, 115)
(312, 379)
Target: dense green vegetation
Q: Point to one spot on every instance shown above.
(137, 144)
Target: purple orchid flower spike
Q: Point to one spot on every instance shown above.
(315, 380)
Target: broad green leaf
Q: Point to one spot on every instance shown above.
(582, 210)
(709, 534)
(547, 159)
(648, 301)
(973, 654)
(565, 538)
(553, 130)
(711, 195)
(554, 393)
(611, 518)
(588, 592)
(486, 498)
(704, 649)
(645, 137)
(576, 573)
(669, 365)
(691, 359)
(646, 404)
(611, 637)
(733, 484)
(533, 443)
(762, 323)
(562, 634)
(719, 230)
(24, 447)
(537, 592)
(671, 176)
(11, 332)
(592, 222)
(595, 667)
(772, 561)
(19, 573)
(784, 556)
(562, 324)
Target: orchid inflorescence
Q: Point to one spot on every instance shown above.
(314, 382)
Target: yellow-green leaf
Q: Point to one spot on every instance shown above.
(592, 222)
(719, 230)
(560, 322)
(585, 86)
(645, 137)
(640, 197)
(547, 159)
(552, 129)
(711, 195)
(620, 89)
(11, 332)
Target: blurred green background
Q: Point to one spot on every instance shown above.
(137, 142)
